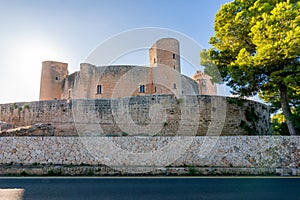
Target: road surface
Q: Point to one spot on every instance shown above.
(154, 188)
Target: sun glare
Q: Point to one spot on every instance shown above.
(23, 63)
(34, 52)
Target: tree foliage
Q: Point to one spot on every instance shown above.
(256, 49)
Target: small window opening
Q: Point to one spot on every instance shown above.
(142, 88)
(155, 89)
(56, 78)
(174, 66)
(204, 84)
(174, 86)
(99, 89)
(154, 60)
(174, 56)
(69, 94)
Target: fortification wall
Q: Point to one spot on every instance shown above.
(144, 115)
(237, 154)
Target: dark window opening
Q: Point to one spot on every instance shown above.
(154, 60)
(174, 56)
(56, 78)
(69, 94)
(142, 88)
(204, 84)
(174, 86)
(155, 89)
(174, 66)
(99, 89)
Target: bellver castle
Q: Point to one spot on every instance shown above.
(125, 100)
(115, 120)
(91, 82)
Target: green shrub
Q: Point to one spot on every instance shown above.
(192, 171)
(23, 173)
(112, 135)
(124, 134)
(179, 101)
(90, 173)
(237, 101)
(54, 173)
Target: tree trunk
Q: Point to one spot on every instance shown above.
(284, 100)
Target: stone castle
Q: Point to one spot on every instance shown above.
(91, 82)
(133, 100)
(127, 101)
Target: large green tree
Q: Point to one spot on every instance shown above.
(256, 49)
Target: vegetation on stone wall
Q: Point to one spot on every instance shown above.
(236, 101)
(101, 112)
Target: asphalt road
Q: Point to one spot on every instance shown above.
(155, 188)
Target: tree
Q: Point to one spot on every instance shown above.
(256, 49)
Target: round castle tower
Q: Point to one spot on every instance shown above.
(165, 52)
(53, 74)
(165, 67)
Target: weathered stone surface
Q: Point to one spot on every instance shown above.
(253, 154)
(32, 130)
(4, 126)
(162, 115)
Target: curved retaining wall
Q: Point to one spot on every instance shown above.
(248, 154)
(159, 115)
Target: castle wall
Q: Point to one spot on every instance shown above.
(125, 81)
(230, 155)
(144, 115)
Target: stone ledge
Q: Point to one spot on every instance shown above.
(79, 170)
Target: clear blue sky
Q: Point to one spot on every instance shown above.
(68, 30)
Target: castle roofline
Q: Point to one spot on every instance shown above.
(162, 40)
(53, 62)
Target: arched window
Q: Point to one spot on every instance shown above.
(99, 89)
(142, 88)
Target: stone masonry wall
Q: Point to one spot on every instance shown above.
(152, 115)
(124, 81)
(240, 152)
